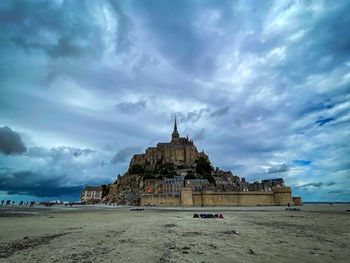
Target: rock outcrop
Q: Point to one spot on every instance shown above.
(129, 188)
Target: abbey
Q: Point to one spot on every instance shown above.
(176, 174)
(180, 151)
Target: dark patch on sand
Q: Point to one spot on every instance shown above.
(8, 249)
(169, 225)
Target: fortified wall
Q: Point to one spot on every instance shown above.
(278, 196)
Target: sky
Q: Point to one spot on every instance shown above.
(263, 87)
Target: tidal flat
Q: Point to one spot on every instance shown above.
(316, 233)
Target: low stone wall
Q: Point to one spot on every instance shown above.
(159, 200)
(210, 198)
(278, 196)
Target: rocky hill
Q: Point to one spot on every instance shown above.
(128, 189)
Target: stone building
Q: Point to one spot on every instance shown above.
(197, 184)
(173, 186)
(91, 194)
(273, 182)
(220, 180)
(180, 151)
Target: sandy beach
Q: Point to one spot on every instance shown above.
(316, 233)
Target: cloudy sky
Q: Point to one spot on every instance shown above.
(263, 87)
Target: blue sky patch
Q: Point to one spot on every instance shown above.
(301, 162)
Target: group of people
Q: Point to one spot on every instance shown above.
(208, 215)
(8, 202)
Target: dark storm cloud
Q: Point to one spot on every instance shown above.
(28, 24)
(124, 155)
(304, 60)
(56, 153)
(220, 112)
(318, 184)
(191, 116)
(172, 28)
(82, 152)
(130, 107)
(65, 47)
(238, 123)
(53, 172)
(200, 135)
(324, 121)
(124, 25)
(336, 192)
(35, 184)
(10, 142)
(278, 169)
(316, 107)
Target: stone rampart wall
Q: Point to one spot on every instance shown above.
(160, 200)
(210, 198)
(282, 196)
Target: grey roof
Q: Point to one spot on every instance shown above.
(163, 144)
(218, 178)
(129, 196)
(92, 188)
(177, 179)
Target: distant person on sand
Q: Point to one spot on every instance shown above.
(2, 202)
(289, 205)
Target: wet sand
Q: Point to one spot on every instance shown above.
(316, 233)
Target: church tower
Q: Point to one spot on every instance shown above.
(175, 134)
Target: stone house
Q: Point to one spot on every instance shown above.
(197, 184)
(91, 194)
(277, 182)
(173, 186)
(221, 180)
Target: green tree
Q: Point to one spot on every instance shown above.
(203, 166)
(167, 170)
(137, 169)
(105, 189)
(209, 177)
(149, 175)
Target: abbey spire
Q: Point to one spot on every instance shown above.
(175, 126)
(175, 132)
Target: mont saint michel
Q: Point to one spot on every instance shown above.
(175, 174)
(95, 166)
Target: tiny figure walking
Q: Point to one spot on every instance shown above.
(289, 205)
